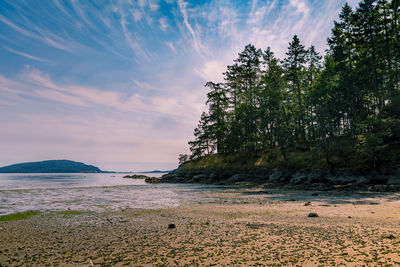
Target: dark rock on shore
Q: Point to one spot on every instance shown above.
(285, 179)
(147, 179)
(136, 176)
(152, 180)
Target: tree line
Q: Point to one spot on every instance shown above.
(307, 101)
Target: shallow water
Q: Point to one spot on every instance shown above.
(94, 192)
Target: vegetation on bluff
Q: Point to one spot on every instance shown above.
(342, 111)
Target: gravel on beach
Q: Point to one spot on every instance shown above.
(240, 229)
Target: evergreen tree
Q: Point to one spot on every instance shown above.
(294, 71)
(218, 104)
(202, 144)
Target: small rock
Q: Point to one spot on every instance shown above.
(308, 204)
(390, 237)
(171, 226)
(313, 215)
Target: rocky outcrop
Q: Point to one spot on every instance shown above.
(217, 176)
(136, 176)
(147, 179)
(152, 180)
(317, 180)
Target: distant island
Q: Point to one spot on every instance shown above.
(51, 166)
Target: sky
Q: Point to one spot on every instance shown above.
(120, 84)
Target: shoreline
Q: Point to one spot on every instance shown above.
(342, 180)
(244, 226)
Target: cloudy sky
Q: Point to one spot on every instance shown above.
(120, 84)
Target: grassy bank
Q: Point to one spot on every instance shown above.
(19, 215)
(342, 153)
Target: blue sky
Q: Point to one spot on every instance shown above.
(120, 84)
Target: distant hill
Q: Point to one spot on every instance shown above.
(50, 166)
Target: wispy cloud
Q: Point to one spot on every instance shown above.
(26, 55)
(39, 34)
(144, 85)
(33, 82)
(131, 38)
(301, 6)
(163, 24)
(17, 28)
(195, 36)
(137, 15)
(80, 10)
(171, 46)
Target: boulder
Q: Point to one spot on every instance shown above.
(213, 176)
(299, 178)
(136, 176)
(379, 179)
(276, 176)
(152, 180)
(237, 178)
(200, 178)
(279, 176)
(393, 180)
(342, 180)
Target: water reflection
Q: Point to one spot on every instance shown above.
(95, 192)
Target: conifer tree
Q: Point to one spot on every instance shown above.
(294, 71)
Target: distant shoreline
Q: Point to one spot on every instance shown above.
(61, 166)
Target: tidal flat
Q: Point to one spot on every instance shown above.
(239, 227)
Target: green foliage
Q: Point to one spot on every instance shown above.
(19, 215)
(182, 158)
(340, 112)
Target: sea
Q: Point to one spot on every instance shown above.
(97, 192)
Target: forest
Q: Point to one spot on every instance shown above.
(340, 110)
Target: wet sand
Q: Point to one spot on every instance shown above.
(248, 227)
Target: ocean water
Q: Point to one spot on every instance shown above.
(93, 192)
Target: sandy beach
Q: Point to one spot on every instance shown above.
(243, 227)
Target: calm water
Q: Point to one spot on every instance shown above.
(95, 192)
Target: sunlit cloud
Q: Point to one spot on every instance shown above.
(35, 83)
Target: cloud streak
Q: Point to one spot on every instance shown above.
(34, 83)
(26, 55)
